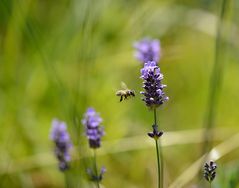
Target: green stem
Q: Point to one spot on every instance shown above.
(67, 181)
(159, 156)
(155, 117)
(216, 81)
(159, 165)
(96, 171)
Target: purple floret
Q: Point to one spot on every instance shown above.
(93, 130)
(62, 142)
(154, 95)
(147, 50)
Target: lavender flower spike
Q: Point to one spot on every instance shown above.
(154, 95)
(63, 144)
(210, 171)
(93, 130)
(147, 50)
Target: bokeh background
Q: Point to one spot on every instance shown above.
(59, 57)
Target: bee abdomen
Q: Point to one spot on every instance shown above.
(118, 93)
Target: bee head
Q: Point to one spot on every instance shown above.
(132, 93)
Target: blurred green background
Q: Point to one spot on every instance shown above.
(59, 57)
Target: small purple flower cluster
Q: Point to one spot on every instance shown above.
(147, 50)
(156, 133)
(94, 177)
(93, 130)
(154, 95)
(210, 171)
(63, 144)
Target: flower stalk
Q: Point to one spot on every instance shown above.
(155, 134)
(96, 171)
(154, 97)
(94, 131)
(67, 179)
(159, 156)
(148, 53)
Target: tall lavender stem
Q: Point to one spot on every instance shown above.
(155, 117)
(159, 156)
(67, 181)
(96, 171)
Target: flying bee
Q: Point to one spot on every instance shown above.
(124, 93)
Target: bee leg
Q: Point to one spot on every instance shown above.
(121, 98)
(125, 97)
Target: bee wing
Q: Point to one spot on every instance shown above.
(123, 85)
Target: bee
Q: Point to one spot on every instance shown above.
(124, 93)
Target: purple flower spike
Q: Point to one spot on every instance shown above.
(154, 95)
(63, 144)
(93, 130)
(210, 171)
(147, 50)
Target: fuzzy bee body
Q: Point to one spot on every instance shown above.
(125, 92)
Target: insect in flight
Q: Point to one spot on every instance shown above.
(124, 93)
